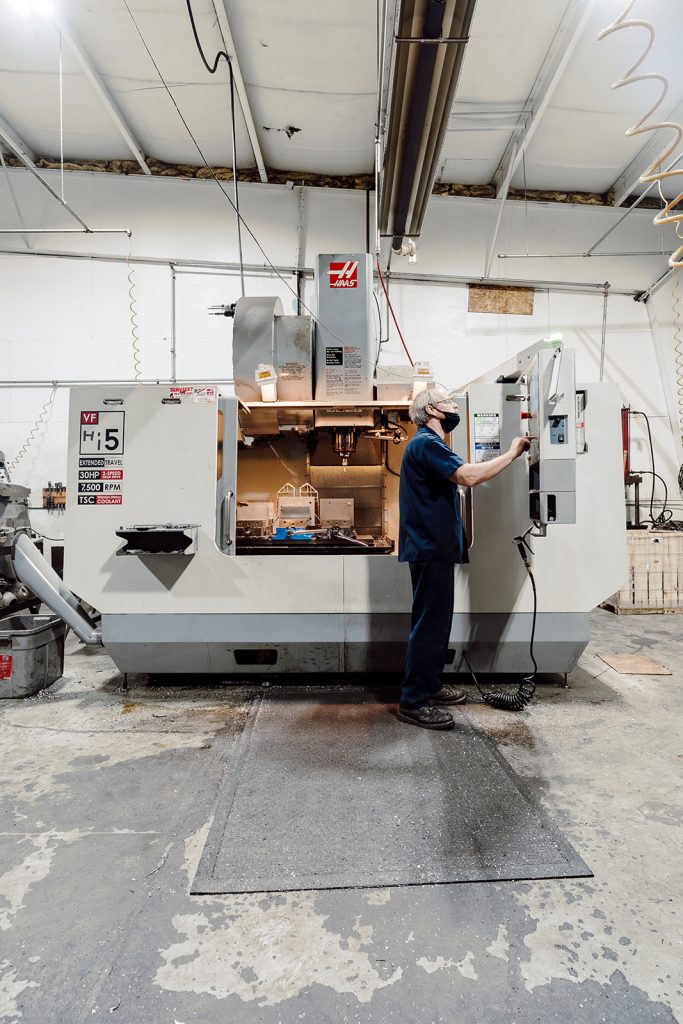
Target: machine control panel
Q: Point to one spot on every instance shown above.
(558, 430)
(551, 419)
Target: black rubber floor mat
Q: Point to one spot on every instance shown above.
(329, 790)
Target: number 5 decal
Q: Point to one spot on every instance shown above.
(111, 440)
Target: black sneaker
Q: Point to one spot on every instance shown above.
(449, 695)
(426, 718)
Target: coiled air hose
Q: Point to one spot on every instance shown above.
(672, 213)
(518, 699)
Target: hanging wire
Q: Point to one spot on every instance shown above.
(603, 340)
(678, 348)
(40, 420)
(526, 202)
(61, 114)
(234, 174)
(393, 315)
(132, 306)
(670, 214)
(219, 183)
(53, 540)
(378, 334)
(212, 68)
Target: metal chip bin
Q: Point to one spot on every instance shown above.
(31, 653)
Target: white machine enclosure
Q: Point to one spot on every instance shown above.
(345, 337)
(144, 460)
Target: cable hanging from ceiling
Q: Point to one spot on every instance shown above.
(672, 212)
(133, 307)
(23, 157)
(212, 68)
(219, 183)
(393, 315)
(40, 420)
(678, 358)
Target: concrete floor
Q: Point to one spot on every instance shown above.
(107, 798)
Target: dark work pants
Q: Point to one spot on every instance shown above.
(430, 628)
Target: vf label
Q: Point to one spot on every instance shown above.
(102, 432)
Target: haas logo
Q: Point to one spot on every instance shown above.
(344, 275)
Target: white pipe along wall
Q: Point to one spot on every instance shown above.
(67, 319)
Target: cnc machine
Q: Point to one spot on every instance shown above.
(255, 530)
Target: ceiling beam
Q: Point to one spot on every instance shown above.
(229, 44)
(102, 91)
(629, 178)
(14, 200)
(14, 142)
(17, 150)
(559, 54)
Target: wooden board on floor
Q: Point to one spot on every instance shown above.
(634, 665)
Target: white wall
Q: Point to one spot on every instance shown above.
(66, 319)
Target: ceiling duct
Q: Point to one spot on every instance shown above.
(430, 47)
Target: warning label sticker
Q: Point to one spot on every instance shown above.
(292, 371)
(199, 395)
(334, 355)
(486, 436)
(203, 395)
(5, 666)
(343, 375)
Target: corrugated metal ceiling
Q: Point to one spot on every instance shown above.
(309, 69)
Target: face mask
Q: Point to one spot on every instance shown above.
(450, 421)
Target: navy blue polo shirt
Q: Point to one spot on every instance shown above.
(430, 530)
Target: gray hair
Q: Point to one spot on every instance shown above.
(430, 396)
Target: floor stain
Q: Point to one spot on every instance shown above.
(10, 989)
(268, 954)
(129, 706)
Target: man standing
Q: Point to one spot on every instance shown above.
(432, 541)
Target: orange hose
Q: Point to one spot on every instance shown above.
(393, 315)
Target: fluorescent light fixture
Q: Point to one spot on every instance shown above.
(430, 49)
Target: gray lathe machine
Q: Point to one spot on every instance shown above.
(256, 530)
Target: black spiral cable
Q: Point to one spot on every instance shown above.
(522, 696)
